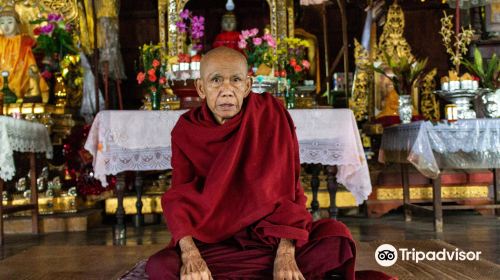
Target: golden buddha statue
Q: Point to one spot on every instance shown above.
(34, 93)
(229, 37)
(16, 56)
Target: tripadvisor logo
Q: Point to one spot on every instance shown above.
(387, 255)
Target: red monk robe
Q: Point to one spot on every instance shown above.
(236, 191)
(228, 39)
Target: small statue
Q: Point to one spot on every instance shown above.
(5, 196)
(34, 94)
(21, 185)
(229, 37)
(16, 55)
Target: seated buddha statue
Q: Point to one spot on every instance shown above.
(229, 37)
(17, 58)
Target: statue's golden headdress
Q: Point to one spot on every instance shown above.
(10, 11)
(229, 15)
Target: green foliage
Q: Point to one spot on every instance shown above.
(490, 74)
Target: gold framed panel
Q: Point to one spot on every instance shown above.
(280, 14)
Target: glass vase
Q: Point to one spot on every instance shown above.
(405, 108)
(155, 100)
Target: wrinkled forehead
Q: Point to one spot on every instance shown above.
(224, 64)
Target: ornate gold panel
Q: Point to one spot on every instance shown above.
(280, 14)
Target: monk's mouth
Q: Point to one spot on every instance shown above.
(226, 106)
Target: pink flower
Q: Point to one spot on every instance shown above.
(242, 44)
(47, 29)
(151, 72)
(257, 41)
(254, 32)
(152, 89)
(155, 63)
(306, 64)
(245, 34)
(162, 80)
(140, 77)
(270, 40)
(181, 26)
(184, 14)
(54, 17)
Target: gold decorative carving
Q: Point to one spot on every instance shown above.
(364, 76)
(425, 193)
(280, 11)
(429, 105)
(394, 44)
(392, 41)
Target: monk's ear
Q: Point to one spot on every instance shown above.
(199, 88)
(248, 85)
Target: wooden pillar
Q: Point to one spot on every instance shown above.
(332, 190)
(316, 168)
(406, 191)
(436, 200)
(34, 194)
(1, 211)
(139, 217)
(120, 229)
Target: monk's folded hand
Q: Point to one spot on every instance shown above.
(193, 266)
(285, 266)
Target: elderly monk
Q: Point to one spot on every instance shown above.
(236, 209)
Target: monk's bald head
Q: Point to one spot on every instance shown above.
(223, 82)
(222, 54)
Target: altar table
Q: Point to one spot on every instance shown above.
(25, 137)
(140, 141)
(432, 147)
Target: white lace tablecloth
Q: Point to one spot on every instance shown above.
(140, 140)
(21, 136)
(465, 144)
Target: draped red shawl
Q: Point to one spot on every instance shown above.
(242, 173)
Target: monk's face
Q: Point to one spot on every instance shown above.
(8, 25)
(224, 83)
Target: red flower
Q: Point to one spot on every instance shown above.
(151, 72)
(163, 80)
(293, 62)
(37, 31)
(156, 63)
(306, 64)
(140, 77)
(297, 68)
(46, 74)
(152, 78)
(153, 89)
(283, 73)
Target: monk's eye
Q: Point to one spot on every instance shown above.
(237, 79)
(216, 80)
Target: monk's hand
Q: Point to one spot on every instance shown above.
(193, 266)
(285, 266)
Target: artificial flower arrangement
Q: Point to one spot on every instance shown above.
(186, 65)
(193, 27)
(402, 71)
(152, 73)
(54, 37)
(292, 58)
(259, 50)
(456, 46)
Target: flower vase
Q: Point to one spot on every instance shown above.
(155, 100)
(405, 108)
(290, 94)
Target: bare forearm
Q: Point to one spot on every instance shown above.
(286, 246)
(188, 248)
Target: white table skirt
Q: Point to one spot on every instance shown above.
(465, 144)
(21, 136)
(140, 140)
